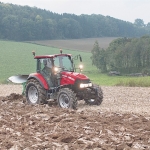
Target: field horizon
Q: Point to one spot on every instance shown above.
(85, 44)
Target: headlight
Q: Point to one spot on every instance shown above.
(85, 85)
(55, 69)
(81, 85)
(90, 84)
(81, 66)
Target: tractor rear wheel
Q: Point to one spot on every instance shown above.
(97, 96)
(35, 93)
(66, 98)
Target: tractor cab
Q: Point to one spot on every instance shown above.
(51, 66)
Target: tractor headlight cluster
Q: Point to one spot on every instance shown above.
(81, 67)
(55, 69)
(82, 85)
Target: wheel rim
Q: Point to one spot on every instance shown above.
(64, 100)
(33, 94)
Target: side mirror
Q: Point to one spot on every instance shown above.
(80, 58)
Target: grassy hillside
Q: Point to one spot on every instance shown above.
(16, 58)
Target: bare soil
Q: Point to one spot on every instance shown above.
(121, 122)
(77, 44)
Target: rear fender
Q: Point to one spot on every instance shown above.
(39, 78)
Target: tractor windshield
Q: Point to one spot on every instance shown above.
(63, 62)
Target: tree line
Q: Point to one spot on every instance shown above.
(22, 23)
(125, 55)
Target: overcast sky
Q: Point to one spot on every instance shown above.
(127, 10)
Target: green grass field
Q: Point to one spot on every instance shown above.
(16, 58)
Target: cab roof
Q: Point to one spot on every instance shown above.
(51, 56)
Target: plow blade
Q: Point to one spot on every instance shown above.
(18, 78)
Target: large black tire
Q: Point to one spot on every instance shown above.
(66, 98)
(35, 93)
(97, 96)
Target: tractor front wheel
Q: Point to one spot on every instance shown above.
(66, 98)
(35, 93)
(96, 94)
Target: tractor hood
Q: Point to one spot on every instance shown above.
(72, 78)
(74, 75)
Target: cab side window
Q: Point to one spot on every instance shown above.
(56, 62)
(41, 64)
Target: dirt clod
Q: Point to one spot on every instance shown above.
(110, 126)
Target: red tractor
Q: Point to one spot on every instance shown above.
(56, 79)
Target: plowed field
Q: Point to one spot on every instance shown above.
(121, 122)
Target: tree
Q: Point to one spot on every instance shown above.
(10, 27)
(69, 28)
(129, 55)
(139, 23)
(148, 24)
(31, 23)
(99, 57)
